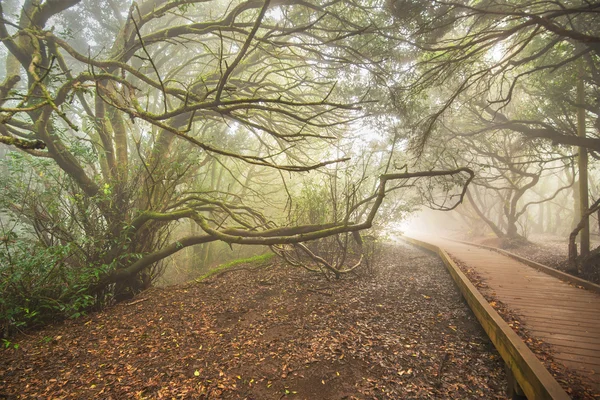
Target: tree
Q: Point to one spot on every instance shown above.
(509, 172)
(498, 49)
(135, 114)
(492, 54)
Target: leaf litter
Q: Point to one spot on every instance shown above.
(270, 333)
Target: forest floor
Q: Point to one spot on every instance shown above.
(270, 332)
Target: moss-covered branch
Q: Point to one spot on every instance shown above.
(22, 143)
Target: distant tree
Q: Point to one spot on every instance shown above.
(509, 170)
(493, 54)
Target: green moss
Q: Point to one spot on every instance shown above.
(21, 143)
(256, 260)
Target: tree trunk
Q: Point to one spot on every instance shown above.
(512, 230)
(540, 224)
(497, 231)
(205, 255)
(582, 164)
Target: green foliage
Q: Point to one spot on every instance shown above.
(37, 286)
(48, 268)
(256, 260)
(7, 344)
(312, 204)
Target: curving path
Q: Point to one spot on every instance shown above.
(563, 315)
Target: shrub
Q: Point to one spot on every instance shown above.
(37, 286)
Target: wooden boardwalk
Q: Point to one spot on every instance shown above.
(565, 317)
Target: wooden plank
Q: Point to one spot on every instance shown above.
(561, 348)
(583, 322)
(565, 303)
(532, 376)
(581, 369)
(578, 358)
(564, 309)
(543, 291)
(595, 342)
(532, 314)
(543, 325)
(562, 331)
(568, 343)
(549, 295)
(561, 290)
(577, 305)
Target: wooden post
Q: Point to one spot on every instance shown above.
(513, 389)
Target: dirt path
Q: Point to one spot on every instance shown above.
(270, 334)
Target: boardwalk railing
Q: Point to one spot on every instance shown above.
(531, 375)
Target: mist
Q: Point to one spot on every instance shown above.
(158, 152)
